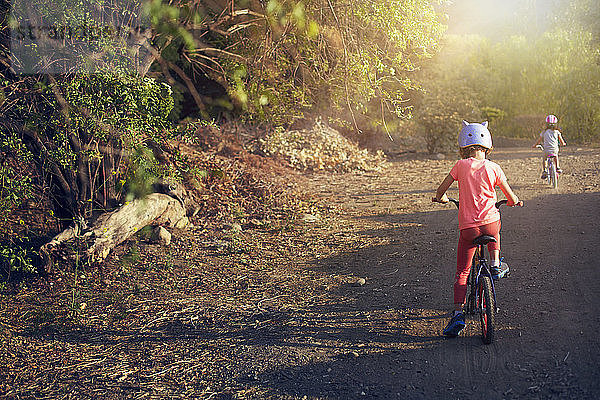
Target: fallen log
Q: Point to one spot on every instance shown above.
(92, 245)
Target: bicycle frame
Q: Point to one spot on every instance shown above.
(482, 267)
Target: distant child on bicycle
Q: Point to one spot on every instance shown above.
(551, 137)
(477, 215)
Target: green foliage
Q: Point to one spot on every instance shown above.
(442, 105)
(519, 80)
(109, 104)
(14, 188)
(64, 36)
(440, 115)
(583, 16)
(346, 60)
(132, 256)
(492, 114)
(89, 135)
(143, 171)
(16, 256)
(109, 117)
(283, 60)
(15, 180)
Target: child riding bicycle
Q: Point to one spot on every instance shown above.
(477, 178)
(551, 137)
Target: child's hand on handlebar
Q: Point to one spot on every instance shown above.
(517, 204)
(443, 199)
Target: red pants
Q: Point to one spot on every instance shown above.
(466, 250)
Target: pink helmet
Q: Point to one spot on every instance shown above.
(551, 119)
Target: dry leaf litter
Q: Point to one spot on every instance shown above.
(320, 148)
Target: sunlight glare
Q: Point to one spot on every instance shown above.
(483, 16)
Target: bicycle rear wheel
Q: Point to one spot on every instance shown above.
(552, 173)
(487, 309)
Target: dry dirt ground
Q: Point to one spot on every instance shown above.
(280, 312)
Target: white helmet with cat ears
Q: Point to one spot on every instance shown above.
(551, 119)
(475, 134)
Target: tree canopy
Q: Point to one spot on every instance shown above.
(72, 104)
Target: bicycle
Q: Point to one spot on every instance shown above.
(552, 174)
(481, 291)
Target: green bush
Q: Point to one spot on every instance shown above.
(492, 114)
(109, 120)
(15, 180)
(16, 256)
(439, 113)
(119, 105)
(89, 134)
(521, 79)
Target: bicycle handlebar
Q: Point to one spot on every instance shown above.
(498, 203)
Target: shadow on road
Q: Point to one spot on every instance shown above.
(382, 339)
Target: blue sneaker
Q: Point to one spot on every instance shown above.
(499, 271)
(455, 326)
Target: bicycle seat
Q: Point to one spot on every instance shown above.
(483, 239)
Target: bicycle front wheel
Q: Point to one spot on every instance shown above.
(487, 309)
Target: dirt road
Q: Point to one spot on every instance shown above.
(282, 313)
(547, 345)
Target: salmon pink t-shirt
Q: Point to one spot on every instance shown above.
(477, 180)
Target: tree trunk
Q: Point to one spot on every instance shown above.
(93, 245)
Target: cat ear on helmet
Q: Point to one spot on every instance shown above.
(485, 124)
(465, 123)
